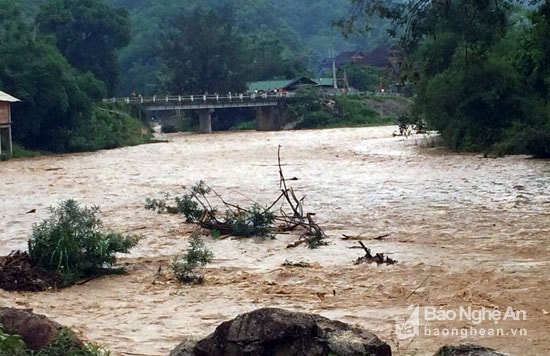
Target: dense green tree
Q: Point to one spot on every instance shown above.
(58, 109)
(534, 60)
(528, 49)
(52, 100)
(202, 51)
(35, 72)
(270, 59)
(461, 92)
(286, 38)
(88, 33)
(467, 86)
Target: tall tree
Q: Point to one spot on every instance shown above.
(413, 19)
(464, 89)
(202, 51)
(269, 58)
(535, 59)
(51, 91)
(88, 33)
(57, 111)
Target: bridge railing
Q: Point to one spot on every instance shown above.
(229, 97)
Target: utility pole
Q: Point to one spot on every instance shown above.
(334, 69)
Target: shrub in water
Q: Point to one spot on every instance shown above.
(187, 204)
(255, 221)
(197, 254)
(71, 242)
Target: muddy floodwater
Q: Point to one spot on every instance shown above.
(468, 232)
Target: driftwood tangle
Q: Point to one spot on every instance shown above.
(379, 258)
(18, 274)
(313, 235)
(288, 220)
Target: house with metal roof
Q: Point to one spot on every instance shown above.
(281, 85)
(326, 85)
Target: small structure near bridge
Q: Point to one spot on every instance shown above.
(5, 123)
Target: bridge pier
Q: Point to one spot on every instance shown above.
(205, 120)
(267, 118)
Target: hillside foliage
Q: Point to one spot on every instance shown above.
(59, 58)
(480, 69)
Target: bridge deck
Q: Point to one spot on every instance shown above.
(190, 102)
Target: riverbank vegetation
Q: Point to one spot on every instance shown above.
(311, 110)
(60, 72)
(480, 69)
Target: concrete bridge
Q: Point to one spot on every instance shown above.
(267, 106)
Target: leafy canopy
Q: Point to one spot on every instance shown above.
(88, 33)
(479, 68)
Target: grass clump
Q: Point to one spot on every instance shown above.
(72, 243)
(197, 254)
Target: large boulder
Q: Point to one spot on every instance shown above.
(467, 350)
(272, 331)
(36, 330)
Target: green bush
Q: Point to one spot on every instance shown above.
(196, 207)
(524, 138)
(71, 242)
(186, 204)
(105, 129)
(197, 254)
(315, 119)
(254, 221)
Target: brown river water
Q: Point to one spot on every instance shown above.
(468, 232)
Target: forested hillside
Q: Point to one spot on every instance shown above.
(61, 57)
(479, 68)
(272, 39)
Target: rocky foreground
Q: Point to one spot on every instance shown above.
(262, 332)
